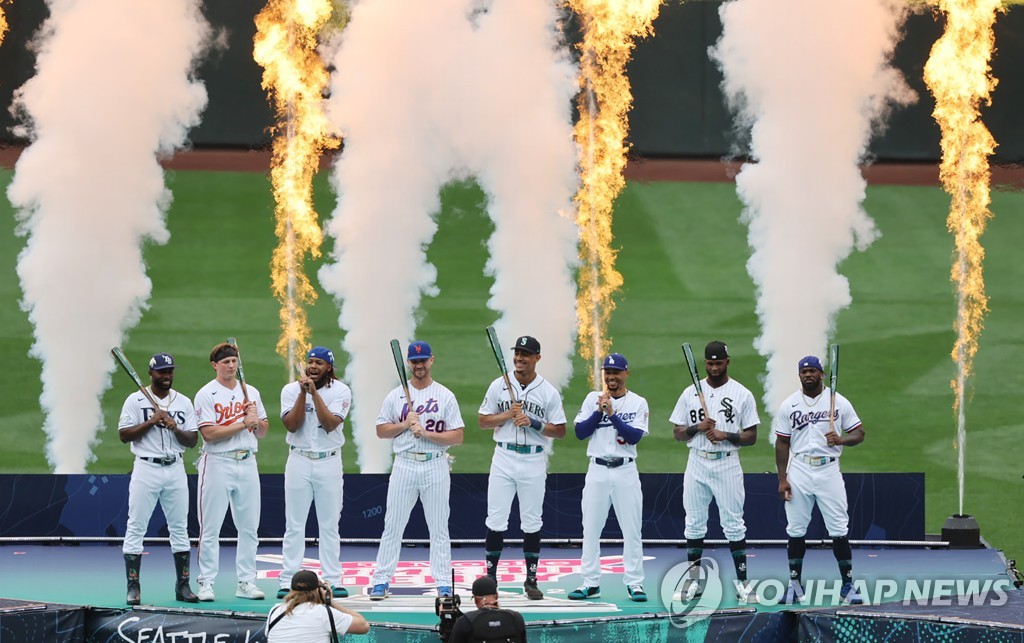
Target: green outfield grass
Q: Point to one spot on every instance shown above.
(683, 253)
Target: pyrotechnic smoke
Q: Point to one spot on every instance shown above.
(113, 89)
(429, 92)
(810, 79)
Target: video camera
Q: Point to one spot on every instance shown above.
(447, 610)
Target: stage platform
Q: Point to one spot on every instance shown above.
(63, 587)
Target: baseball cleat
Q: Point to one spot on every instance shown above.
(690, 591)
(850, 595)
(379, 592)
(338, 592)
(205, 593)
(637, 593)
(583, 592)
(444, 591)
(794, 593)
(745, 592)
(532, 591)
(282, 592)
(248, 589)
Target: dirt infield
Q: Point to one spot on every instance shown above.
(704, 170)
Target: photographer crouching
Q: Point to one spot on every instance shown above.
(488, 622)
(307, 616)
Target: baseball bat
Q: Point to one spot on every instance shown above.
(499, 356)
(240, 373)
(122, 359)
(396, 352)
(833, 382)
(691, 364)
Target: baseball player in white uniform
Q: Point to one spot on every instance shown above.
(158, 437)
(524, 432)
(420, 439)
(812, 475)
(713, 467)
(313, 410)
(614, 420)
(228, 476)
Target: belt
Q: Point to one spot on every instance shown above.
(233, 455)
(316, 455)
(420, 457)
(521, 448)
(612, 463)
(713, 455)
(164, 462)
(816, 461)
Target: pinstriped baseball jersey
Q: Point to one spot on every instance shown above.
(731, 405)
(438, 411)
(158, 442)
(540, 401)
(311, 436)
(606, 442)
(221, 406)
(805, 421)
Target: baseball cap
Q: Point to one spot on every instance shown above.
(321, 352)
(161, 362)
(485, 586)
(810, 362)
(615, 362)
(419, 350)
(527, 344)
(305, 580)
(716, 350)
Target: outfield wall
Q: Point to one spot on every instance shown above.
(679, 110)
(883, 506)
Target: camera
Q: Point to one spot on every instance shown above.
(447, 610)
(325, 594)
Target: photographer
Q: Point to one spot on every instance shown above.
(488, 622)
(307, 616)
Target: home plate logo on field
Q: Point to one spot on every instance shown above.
(413, 588)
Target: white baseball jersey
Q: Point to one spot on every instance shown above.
(540, 400)
(606, 441)
(731, 405)
(805, 421)
(337, 396)
(158, 442)
(437, 409)
(218, 405)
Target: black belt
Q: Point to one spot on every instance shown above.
(166, 462)
(612, 463)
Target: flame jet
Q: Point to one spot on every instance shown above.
(609, 29)
(957, 74)
(295, 78)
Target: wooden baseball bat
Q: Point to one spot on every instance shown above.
(499, 356)
(122, 359)
(240, 373)
(396, 352)
(833, 382)
(691, 365)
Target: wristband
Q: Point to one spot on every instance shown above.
(733, 437)
(691, 430)
(536, 425)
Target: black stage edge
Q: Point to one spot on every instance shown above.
(33, 621)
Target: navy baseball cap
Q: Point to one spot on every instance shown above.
(716, 350)
(321, 352)
(419, 350)
(161, 362)
(615, 362)
(485, 586)
(305, 580)
(527, 344)
(810, 362)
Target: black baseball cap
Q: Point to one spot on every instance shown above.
(305, 580)
(527, 344)
(485, 586)
(716, 350)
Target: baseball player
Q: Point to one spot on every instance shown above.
(812, 475)
(614, 420)
(524, 431)
(713, 467)
(158, 437)
(228, 475)
(420, 438)
(313, 410)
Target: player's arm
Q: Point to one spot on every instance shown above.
(550, 430)
(218, 432)
(448, 438)
(628, 433)
(782, 465)
(851, 437)
(295, 416)
(329, 421)
(744, 438)
(685, 432)
(493, 421)
(187, 439)
(136, 431)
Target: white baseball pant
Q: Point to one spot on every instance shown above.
(823, 484)
(318, 482)
(618, 488)
(719, 479)
(151, 483)
(223, 483)
(512, 474)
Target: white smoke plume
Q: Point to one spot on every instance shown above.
(429, 92)
(112, 90)
(810, 79)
